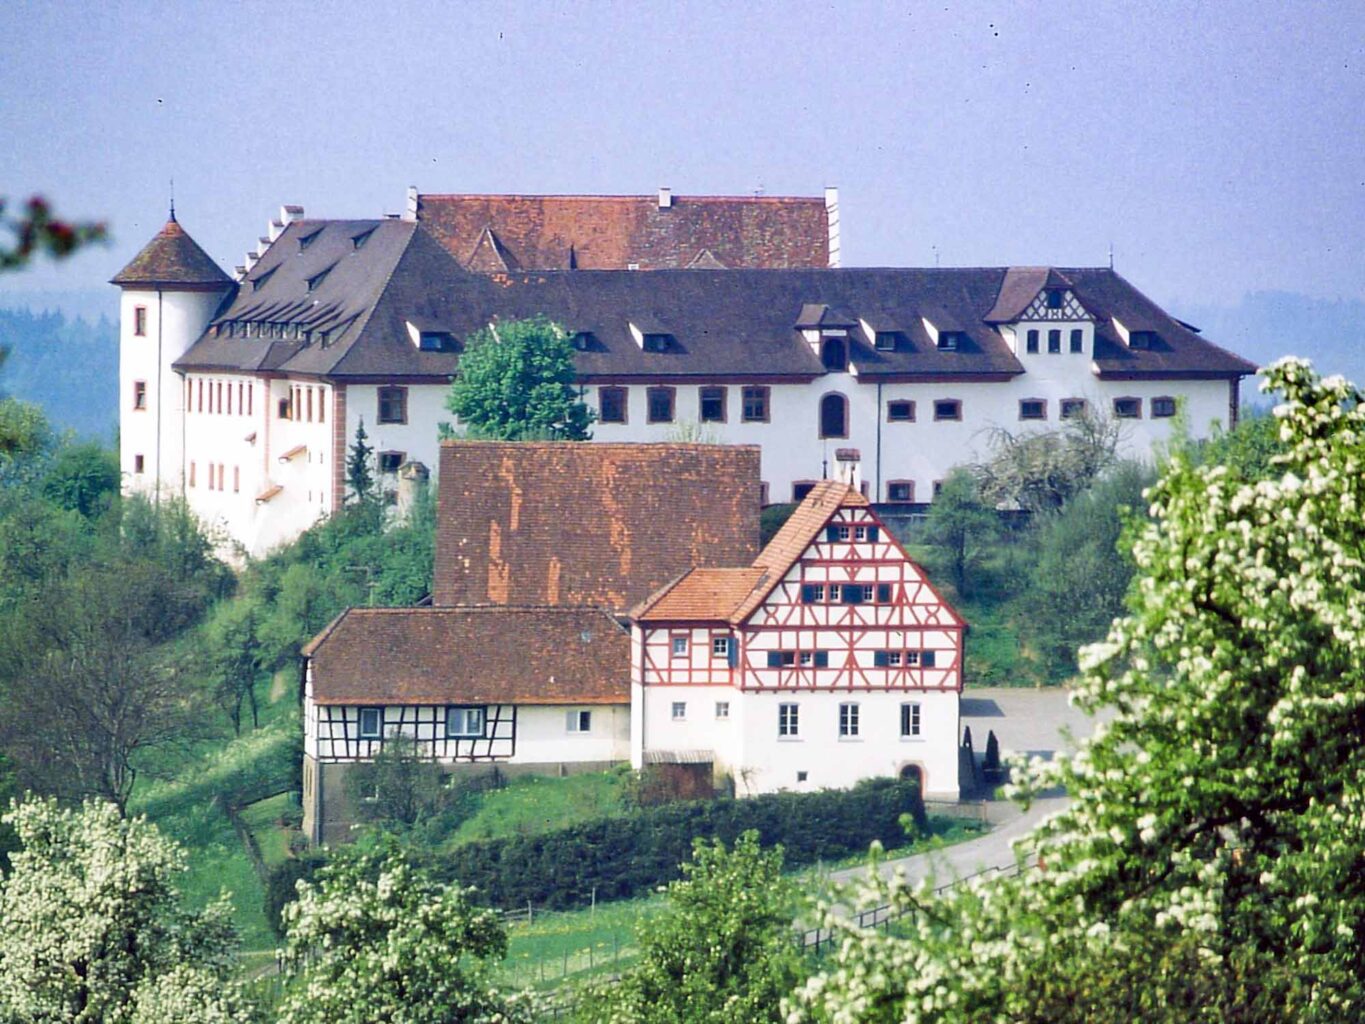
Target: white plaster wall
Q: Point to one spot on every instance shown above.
(543, 735)
(418, 438)
(699, 728)
(769, 762)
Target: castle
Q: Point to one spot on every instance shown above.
(726, 318)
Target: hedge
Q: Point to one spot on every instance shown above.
(624, 857)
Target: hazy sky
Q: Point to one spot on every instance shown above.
(1220, 148)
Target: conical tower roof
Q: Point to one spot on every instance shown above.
(172, 259)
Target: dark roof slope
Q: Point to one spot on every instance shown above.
(507, 232)
(172, 258)
(588, 524)
(471, 656)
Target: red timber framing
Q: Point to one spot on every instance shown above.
(851, 595)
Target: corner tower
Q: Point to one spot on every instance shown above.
(171, 290)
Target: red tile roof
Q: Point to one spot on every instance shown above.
(173, 258)
(471, 655)
(703, 595)
(493, 233)
(596, 524)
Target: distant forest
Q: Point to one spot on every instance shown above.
(69, 367)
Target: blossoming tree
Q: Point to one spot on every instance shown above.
(1211, 864)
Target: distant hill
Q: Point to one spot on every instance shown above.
(67, 366)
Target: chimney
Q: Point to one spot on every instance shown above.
(410, 209)
(665, 198)
(848, 467)
(832, 219)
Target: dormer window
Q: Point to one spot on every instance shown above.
(316, 280)
(834, 353)
(951, 341)
(260, 281)
(358, 241)
(306, 240)
(436, 341)
(886, 341)
(1054, 297)
(581, 340)
(1142, 339)
(656, 342)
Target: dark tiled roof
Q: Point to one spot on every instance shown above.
(588, 524)
(471, 656)
(612, 232)
(732, 324)
(1019, 288)
(172, 258)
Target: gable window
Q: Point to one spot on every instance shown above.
(140, 321)
(1072, 407)
(393, 405)
(679, 710)
(1163, 407)
(1054, 341)
(900, 490)
(390, 461)
(371, 723)
(900, 412)
(1054, 298)
(720, 647)
(464, 722)
(834, 416)
(1128, 408)
(848, 720)
(139, 394)
(1077, 340)
(885, 341)
(909, 720)
(834, 354)
(755, 405)
(1032, 409)
(951, 341)
(660, 404)
(611, 405)
(947, 409)
(578, 721)
(713, 405)
(680, 647)
(788, 720)
(722, 709)
(1031, 342)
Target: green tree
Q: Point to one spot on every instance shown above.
(399, 787)
(92, 927)
(516, 382)
(84, 478)
(724, 950)
(360, 466)
(962, 526)
(1208, 867)
(1042, 470)
(377, 939)
(233, 646)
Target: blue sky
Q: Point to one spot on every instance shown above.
(1220, 148)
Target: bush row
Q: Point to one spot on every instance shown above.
(623, 857)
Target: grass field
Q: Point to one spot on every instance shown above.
(530, 805)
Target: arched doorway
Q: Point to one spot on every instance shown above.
(913, 773)
(834, 416)
(834, 354)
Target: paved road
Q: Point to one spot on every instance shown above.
(1029, 721)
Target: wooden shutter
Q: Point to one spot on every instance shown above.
(853, 594)
(883, 593)
(774, 659)
(874, 533)
(879, 659)
(807, 593)
(732, 652)
(831, 534)
(926, 659)
(822, 659)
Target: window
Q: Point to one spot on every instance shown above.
(805, 658)
(139, 464)
(812, 593)
(713, 405)
(938, 488)
(834, 354)
(656, 342)
(755, 405)
(464, 722)
(885, 341)
(393, 405)
(909, 720)
(139, 394)
(371, 723)
(140, 321)
(1031, 342)
(191, 472)
(900, 490)
(322, 405)
(848, 720)
(679, 710)
(309, 403)
(788, 720)
(781, 659)
(1032, 409)
(1072, 407)
(283, 411)
(220, 477)
(947, 409)
(250, 397)
(1054, 341)
(236, 479)
(1142, 339)
(1163, 407)
(720, 647)
(900, 412)
(436, 341)
(802, 776)
(951, 341)
(1077, 340)
(1054, 298)
(836, 532)
(390, 461)
(834, 416)
(660, 405)
(883, 593)
(611, 405)
(801, 488)
(581, 340)
(680, 647)
(722, 709)
(1128, 408)
(578, 721)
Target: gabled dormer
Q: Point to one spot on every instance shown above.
(1039, 313)
(651, 335)
(828, 331)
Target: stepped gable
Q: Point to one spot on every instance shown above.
(588, 524)
(614, 232)
(173, 259)
(471, 656)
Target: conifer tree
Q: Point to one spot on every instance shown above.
(359, 470)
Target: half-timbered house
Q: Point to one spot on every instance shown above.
(828, 660)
